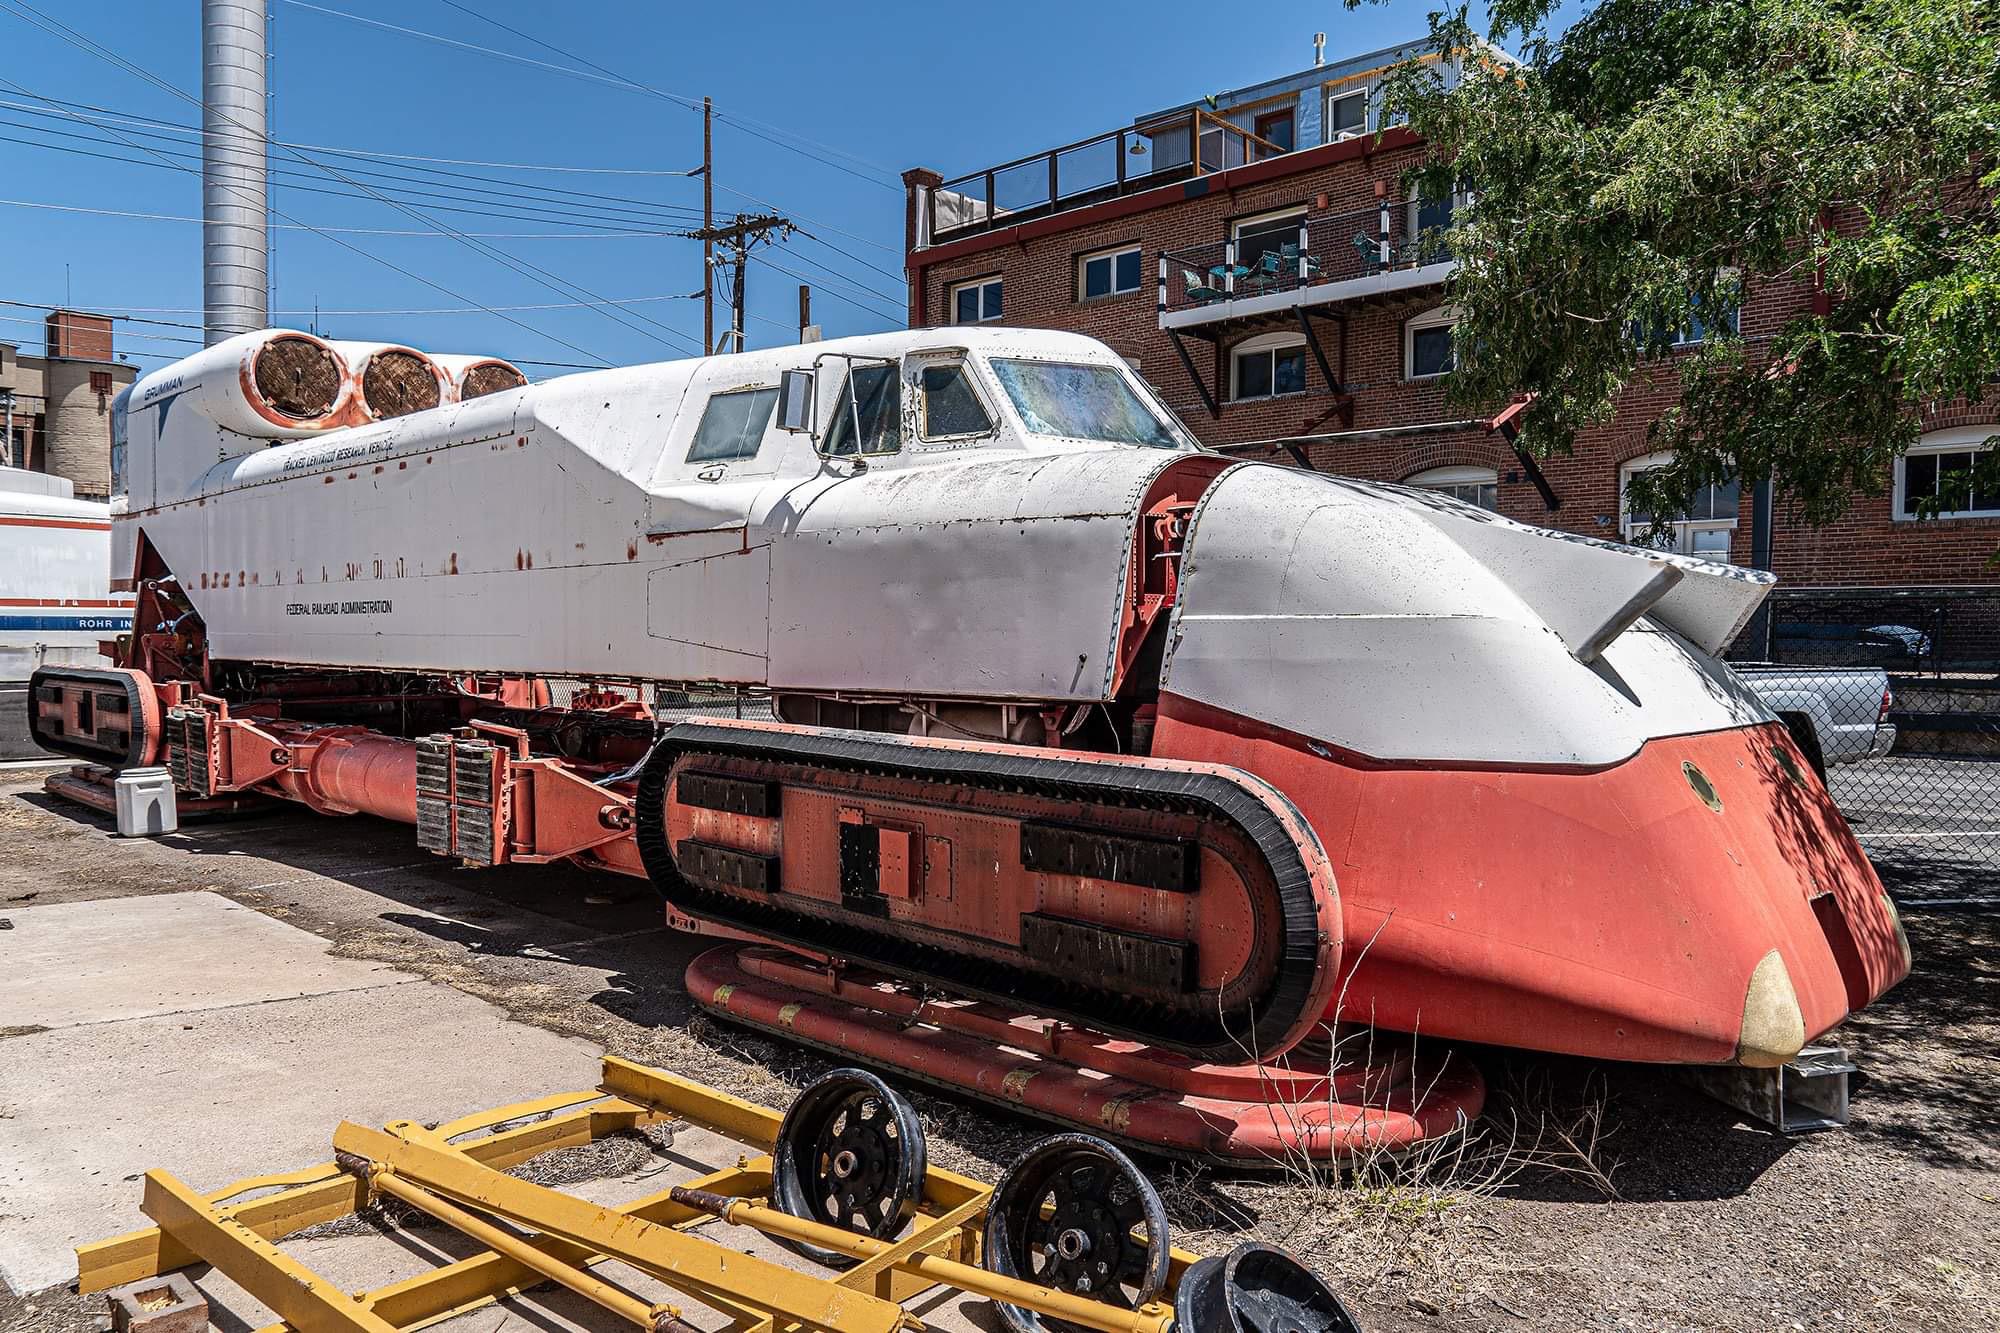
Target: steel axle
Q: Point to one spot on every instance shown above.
(1091, 1314)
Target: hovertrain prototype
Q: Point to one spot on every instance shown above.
(56, 605)
(1103, 776)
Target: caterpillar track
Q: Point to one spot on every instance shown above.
(1186, 906)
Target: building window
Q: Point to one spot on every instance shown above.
(1704, 530)
(1268, 366)
(1698, 332)
(1427, 344)
(1275, 127)
(1938, 467)
(1692, 334)
(1346, 115)
(1474, 485)
(975, 302)
(1107, 273)
(1267, 233)
(732, 426)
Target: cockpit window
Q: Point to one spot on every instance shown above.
(732, 425)
(1083, 403)
(877, 403)
(951, 405)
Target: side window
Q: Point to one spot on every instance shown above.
(951, 405)
(732, 425)
(878, 403)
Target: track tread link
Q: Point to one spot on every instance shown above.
(1291, 1008)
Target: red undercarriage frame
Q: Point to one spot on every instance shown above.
(476, 793)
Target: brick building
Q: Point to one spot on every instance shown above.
(1257, 258)
(55, 409)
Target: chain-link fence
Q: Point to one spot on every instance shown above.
(1896, 692)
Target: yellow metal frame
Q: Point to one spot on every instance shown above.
(455, 1172)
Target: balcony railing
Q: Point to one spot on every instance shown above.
(1323, 248)
(1118, 162)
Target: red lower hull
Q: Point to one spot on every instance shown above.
(1381, 1096)
(1607, 912)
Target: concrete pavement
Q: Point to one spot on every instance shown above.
(190, 1033)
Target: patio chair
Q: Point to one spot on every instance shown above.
(1271, 268)
(1304, 267)
(1198, 290)
(1370, 250)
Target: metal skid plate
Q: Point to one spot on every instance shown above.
(1806, 1094)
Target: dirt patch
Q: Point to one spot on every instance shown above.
(398, 383)
(490, 377)
(1597, 1197)
(298, 377)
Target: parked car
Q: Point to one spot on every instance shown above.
(1837, 714)
(1897, 647)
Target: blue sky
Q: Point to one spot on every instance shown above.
(820, 108)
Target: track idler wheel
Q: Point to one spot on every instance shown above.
(1073, 1213)
(1257, 1289)
(850, 1154)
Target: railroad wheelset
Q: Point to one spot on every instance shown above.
(1073, 1220)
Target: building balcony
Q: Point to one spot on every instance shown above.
(1118, 162)
(1299, 262)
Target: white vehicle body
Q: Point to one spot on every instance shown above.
(1556, 820)
(564, 529)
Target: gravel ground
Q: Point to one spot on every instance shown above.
(1593, 1197)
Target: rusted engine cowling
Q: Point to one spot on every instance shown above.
(275, 384)
(391, 380)
(477, 376)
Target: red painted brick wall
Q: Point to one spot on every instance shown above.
(1040, 286)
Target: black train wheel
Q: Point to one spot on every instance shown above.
(850, 1154)
(1257, 1289)
(1073, 1213)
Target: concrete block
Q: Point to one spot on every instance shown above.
(167, 1304)
(145, 802)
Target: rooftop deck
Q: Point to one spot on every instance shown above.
(1117, 162)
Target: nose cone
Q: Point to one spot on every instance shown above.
(1774, 1027)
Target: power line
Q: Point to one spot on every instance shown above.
(189, 137)
(741, 122)
(560, 197)
(166, 161)
(498, 256)
(341, 150)
(351, 231)
(817, 222)
(557, 206)
(849, 254)
(859, 288)
(132, 312)
(612, 79)
(834, 292)
(388, 264)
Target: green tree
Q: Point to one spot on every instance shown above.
(1637, 171)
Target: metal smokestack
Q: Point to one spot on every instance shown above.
(1319, 49)
(235, 267)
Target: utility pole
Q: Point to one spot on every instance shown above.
(740, 236)
(707, 225)
(807, 333)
